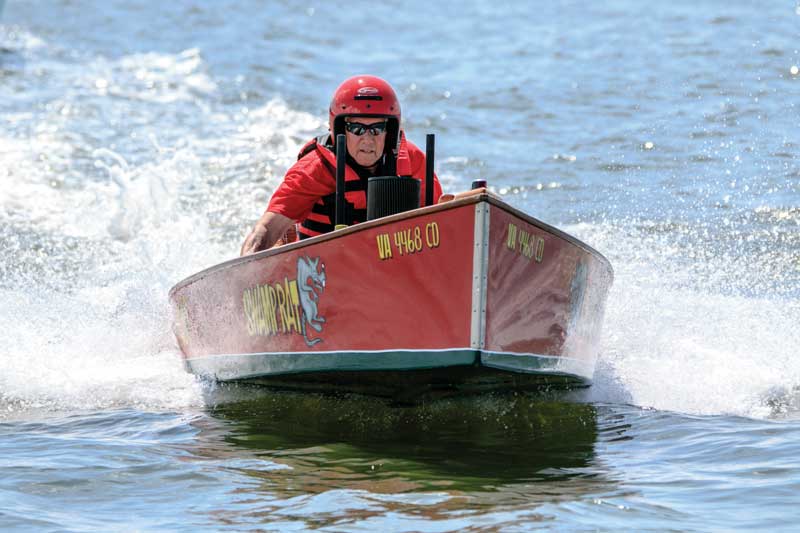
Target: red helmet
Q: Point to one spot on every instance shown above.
(366, 96)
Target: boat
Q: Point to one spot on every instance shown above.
(465, 296)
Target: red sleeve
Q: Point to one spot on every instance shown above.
(303, 185)
(417, 158)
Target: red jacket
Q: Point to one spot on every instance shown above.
(307, 192)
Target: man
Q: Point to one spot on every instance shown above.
(366, 109)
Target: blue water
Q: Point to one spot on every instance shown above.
(140, 140)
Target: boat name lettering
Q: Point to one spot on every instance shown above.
(525, 243)
(408, 241)
(272, 308)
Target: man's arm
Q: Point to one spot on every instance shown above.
(269, 228)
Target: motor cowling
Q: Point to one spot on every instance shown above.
(389, 195)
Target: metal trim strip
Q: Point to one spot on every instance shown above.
(480, 256)
(244, 366)
(532, 363)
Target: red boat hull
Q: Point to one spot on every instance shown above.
(469, 283)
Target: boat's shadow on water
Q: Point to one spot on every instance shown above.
(468, 444)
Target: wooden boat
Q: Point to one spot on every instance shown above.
(467, 295)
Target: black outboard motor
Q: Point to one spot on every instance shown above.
(389, 195)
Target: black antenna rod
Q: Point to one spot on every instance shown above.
(341, 161)
(430, 142)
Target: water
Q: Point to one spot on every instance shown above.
(140, 141)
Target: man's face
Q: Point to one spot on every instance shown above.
(366, 148)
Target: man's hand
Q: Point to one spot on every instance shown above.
(269, 228)
(253, 242)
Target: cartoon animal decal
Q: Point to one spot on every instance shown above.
(311, 283)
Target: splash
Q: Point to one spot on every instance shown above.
(697, 325)
(113, 190)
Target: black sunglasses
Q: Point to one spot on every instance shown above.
(359, 129)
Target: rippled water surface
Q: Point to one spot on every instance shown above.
(140, 140)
